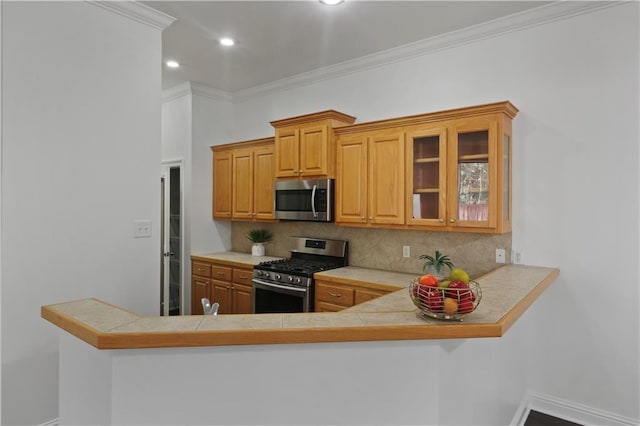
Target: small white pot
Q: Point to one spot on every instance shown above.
(257, 249)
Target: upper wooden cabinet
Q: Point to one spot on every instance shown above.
(370, 178)
(457, 170)
(305, 145)
(243, 176)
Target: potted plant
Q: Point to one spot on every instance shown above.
(258, 237)
(435, 265)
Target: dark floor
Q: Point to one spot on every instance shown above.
(536, 418)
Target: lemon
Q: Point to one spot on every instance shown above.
(458, 274)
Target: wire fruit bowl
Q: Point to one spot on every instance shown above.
(445, 303)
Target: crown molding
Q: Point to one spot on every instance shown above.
(137, 11)
(191, 88)
(497, 27)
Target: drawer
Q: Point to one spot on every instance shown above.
(334, 294)
(242, 276)
(201, 269)
(221, 273)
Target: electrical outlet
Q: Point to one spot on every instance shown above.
(517, 258)
(500, 256)
(406, 251)
(141, 229)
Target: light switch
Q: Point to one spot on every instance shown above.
(142, 229)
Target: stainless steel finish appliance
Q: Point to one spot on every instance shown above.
(310, 200)
(286, 286)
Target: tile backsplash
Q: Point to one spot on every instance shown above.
(382, 248)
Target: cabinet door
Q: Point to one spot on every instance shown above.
(351, 179)
(472, 176)
(221, 293)
(426, 177)
(287, 152)
(243, 184)
(263, 172)
(386, 178)
(242, 299)
(200, 287)
(314, 151)
(222, 185)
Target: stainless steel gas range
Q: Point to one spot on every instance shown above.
(286, 286)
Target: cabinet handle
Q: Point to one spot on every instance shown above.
(361, 217)
(335, 294)
(371, 218)
(220, 273)
(441, 220)
(199, 269)
(243, 277)
(452, 220)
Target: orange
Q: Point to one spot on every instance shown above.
(450, 306)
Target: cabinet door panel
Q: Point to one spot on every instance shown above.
(242, 299)
(200, 287)
(221, 293)
(313, 151)
(386, 179)
(426, 172)
(364, 295)
(222, 185)
(472, 177)
(263, 183)
(286, 153)
(351, 182)
(243, 184)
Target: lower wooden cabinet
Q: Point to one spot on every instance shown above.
(230, 287)
(333, 297)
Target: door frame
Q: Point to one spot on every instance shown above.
(165, 167)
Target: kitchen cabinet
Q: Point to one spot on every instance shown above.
(456, 171)
(334, 297)
(200, 285)
(370, 178)
(243, 180)
(231, 287)
(305, 145)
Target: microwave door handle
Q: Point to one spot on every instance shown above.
(313, 201)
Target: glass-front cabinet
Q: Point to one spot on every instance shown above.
(458, 172)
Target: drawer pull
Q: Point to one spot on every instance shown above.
(243, 277)
(220, 273)
(200, 269)
(335, 294)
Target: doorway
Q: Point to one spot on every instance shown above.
(171, 239)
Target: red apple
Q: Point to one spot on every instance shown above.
(465, 306)
(459, 290)
(431, 299)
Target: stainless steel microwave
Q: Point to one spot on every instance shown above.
(310, 200)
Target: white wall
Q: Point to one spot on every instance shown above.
(576, 199)
(81, 162)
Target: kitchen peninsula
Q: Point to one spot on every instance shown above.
(507, 292)
(132, 367)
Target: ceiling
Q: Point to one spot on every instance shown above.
(279, 39)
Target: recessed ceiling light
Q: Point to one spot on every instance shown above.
(331, 2)
(226, 41)
(172, 64)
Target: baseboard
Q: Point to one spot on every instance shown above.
(568, 410)
(54, 422)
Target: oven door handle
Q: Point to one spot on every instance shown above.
(284, 287)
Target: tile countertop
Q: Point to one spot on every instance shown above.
(232, 258)
(506, 293)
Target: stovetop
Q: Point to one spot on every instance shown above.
(293, 266)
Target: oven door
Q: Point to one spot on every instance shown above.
(272, 298)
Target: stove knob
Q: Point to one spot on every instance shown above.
(259, 273)
(277, 277)
(265, 274)
(298, 280)
(290, 278)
